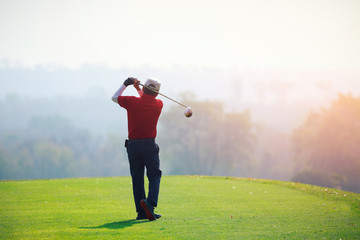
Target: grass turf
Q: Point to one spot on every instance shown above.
(193, 207)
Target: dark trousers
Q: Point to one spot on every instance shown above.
(144, 153)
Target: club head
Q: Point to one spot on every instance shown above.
(188, 112)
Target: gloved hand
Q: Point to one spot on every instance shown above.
(129, 81)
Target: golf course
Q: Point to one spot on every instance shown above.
(192, 207)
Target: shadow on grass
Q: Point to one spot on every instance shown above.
(117, 225)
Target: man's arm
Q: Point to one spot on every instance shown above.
(120, 91)
(136, 85)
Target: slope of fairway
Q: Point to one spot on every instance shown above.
(193, 207)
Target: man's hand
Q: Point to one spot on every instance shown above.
(136, 84)
(130, 81)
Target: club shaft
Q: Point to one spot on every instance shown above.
(163, 95)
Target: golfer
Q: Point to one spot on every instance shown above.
(143, 113)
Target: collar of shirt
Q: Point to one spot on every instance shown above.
(146, 96)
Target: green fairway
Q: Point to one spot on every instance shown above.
(193, 207)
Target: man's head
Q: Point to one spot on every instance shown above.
(154, 84)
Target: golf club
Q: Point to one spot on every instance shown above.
(188, 111)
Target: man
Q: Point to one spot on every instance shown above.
(143, 113)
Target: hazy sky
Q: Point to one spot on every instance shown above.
(291, 34)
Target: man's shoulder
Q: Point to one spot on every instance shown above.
(122, 100)
(129, 98)
(158, 101)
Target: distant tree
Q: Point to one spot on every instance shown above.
(273, 154)
(3, 164)
(53, 147)
(110, 157)
(211, 142)
(328, 143)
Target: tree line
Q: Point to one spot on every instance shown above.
(52, 147)
(211, 142)
(325, 148)
(327, 145)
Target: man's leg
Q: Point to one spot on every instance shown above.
(152, 163)
(137, 175)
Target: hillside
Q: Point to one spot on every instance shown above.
(193, 207)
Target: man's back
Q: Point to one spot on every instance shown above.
(143, 114)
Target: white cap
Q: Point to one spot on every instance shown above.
(153, 83)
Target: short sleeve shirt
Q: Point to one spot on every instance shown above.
(143, 114)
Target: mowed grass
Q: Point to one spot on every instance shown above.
(193, 207)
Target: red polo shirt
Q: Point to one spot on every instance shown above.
(143, 114)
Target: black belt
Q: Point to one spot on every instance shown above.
(142, 140)
(139, 140)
